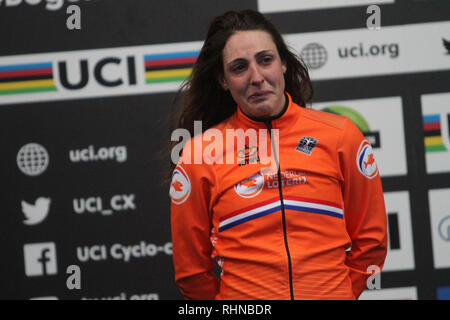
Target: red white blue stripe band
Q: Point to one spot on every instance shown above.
(274, 205)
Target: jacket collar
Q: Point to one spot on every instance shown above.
(285, 119)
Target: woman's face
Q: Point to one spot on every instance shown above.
(253, 73)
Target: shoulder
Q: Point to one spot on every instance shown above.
(201, 138)
(325, 118)
(205, 149)
(338, 128)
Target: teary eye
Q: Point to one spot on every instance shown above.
(238, 67)
(267, 59)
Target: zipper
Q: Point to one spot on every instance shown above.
(268, 124)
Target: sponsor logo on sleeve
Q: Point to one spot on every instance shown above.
(180, 187)
(365, 160)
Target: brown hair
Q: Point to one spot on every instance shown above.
(201, 96)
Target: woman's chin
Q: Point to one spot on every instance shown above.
(259, 111)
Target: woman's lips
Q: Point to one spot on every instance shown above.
(259, 95)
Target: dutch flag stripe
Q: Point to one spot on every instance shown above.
(249, 215)
(290, 203)
(313, 208)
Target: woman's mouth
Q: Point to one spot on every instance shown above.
(259, 95)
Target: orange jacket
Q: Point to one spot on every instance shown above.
(283, 233)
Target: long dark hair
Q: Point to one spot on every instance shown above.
(201, 96)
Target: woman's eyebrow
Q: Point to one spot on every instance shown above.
(235, 62)
(258, 54)
(263, 52)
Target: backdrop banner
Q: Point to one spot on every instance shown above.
(86, 89)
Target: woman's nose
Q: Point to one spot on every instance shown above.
(256, 77)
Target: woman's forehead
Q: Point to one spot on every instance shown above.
(245, 44)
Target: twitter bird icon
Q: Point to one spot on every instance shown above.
(36, 213)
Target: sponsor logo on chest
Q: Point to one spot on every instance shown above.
(306, 145)
(253, 185)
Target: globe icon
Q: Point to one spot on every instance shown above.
(32, 159)
(314, 55)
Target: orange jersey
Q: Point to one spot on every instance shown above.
(280, 232)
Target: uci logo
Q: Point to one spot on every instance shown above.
(107, 72)
(365, 160)
(180, 187)
(250, 187)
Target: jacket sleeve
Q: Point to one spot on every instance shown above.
(191, 191)
(364, 209)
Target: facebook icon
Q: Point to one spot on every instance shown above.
(40, 259)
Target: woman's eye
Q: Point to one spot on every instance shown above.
(238, 68)
(267, 59)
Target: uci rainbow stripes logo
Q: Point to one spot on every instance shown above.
(26, 78)
(168, 67)
(432, 133)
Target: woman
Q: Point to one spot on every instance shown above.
(279, 231)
